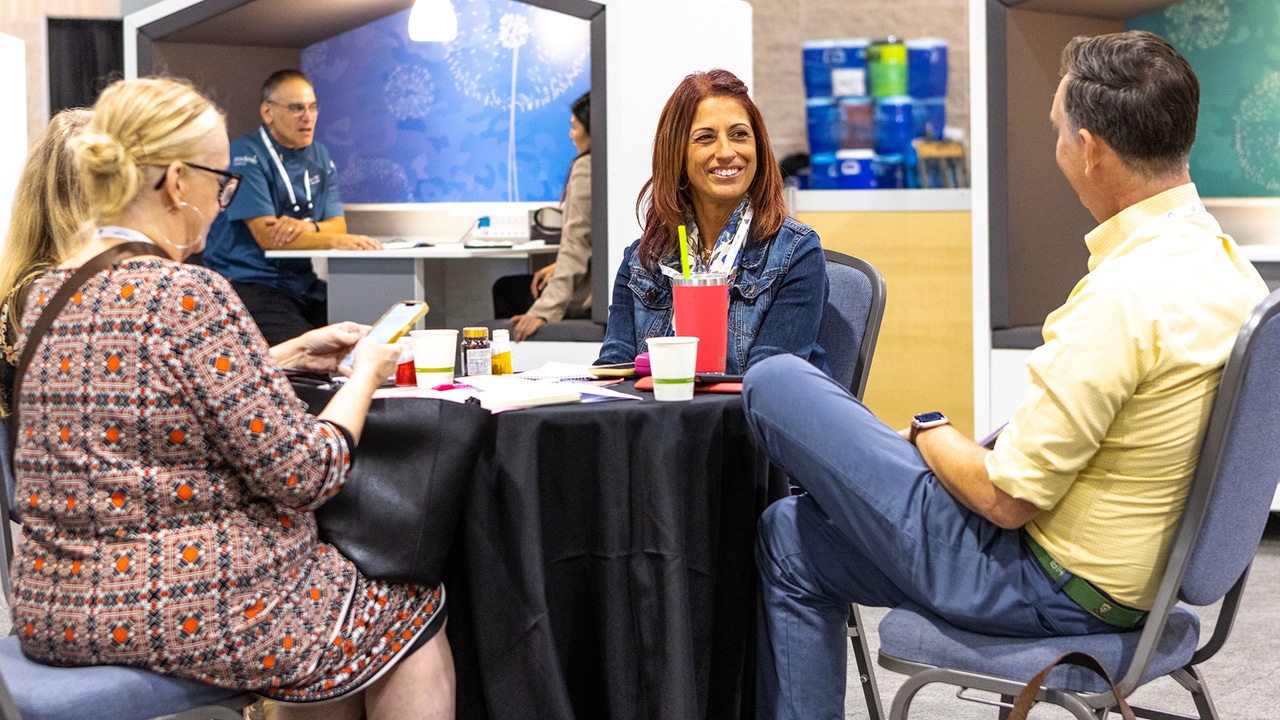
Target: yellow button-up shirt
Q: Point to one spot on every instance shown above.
(1107, 440)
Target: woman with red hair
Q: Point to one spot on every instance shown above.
(714, 173)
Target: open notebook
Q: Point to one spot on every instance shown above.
(504, 392)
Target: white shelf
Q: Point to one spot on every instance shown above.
(947, 200)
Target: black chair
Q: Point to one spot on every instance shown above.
(1225, 515)
(848, 332)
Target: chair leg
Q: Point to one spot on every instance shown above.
(862, 656)
(1005, 711)
(1191, 678)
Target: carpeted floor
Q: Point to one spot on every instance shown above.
(1244, 677)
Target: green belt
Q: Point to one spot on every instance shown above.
(1084, 593)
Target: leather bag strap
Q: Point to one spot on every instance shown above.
(1022, 704)
(60, 299)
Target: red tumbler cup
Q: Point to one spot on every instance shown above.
(702, 311)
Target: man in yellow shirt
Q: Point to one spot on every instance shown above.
(1059, 529)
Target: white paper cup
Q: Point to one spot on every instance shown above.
(672, 361)
(434, 352)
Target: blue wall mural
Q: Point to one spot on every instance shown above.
(482, 118)
(1234, 47)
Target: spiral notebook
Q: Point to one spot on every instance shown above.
(559, 371)
(507, 392)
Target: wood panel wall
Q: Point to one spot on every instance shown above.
(924, 356)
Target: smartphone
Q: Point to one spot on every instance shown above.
(717, 377)
(393, 324)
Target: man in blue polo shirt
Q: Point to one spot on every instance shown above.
(288, 199)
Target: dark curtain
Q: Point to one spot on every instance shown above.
(84, 57)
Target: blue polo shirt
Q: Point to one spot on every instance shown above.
(231, 250)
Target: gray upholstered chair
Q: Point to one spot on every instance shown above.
(851, 319)
(1226, 513)
(31, 691)
(848, 332)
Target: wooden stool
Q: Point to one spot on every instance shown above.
(946, 158)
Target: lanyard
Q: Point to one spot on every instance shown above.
(288, 184)
(116, 232)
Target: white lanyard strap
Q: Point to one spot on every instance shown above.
(121, 233)
(288, 184)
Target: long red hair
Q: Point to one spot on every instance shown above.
(664, 200)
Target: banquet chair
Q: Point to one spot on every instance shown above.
(851, 318)
(31, 691)
(1225, 514)
(848, 331)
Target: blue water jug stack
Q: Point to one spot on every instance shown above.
(866, 102)
(839, 112)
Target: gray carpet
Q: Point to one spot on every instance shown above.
(1244, 677)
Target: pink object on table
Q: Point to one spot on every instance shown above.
(642, 365)
(702, 311)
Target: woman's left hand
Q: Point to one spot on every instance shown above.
(321, 349)
(522, 326)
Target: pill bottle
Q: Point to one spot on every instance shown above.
(501, 349)
(476, 352)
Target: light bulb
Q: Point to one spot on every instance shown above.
(433, 21)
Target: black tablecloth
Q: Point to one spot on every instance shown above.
(604, 567)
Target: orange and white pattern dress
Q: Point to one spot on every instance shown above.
(167, 474)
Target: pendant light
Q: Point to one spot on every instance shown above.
(433, 21)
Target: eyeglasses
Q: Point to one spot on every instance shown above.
(228, 182)
(298, 109)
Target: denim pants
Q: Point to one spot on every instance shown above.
(874, 527)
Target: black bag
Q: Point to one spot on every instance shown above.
(545, 224)
(397, 513)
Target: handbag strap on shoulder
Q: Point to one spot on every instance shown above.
(50, 313)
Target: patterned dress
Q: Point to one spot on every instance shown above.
(167, 474)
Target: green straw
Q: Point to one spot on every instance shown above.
(684, 251)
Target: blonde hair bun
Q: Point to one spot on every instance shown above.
(148, 122)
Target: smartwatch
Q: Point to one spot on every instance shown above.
(924, 421)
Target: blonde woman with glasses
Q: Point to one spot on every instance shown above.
(167, 472)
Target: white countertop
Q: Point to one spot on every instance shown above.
(1262, 252)
(441, 249)
(941, 200)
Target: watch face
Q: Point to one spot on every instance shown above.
(929, 417)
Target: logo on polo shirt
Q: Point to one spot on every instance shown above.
(244, 160)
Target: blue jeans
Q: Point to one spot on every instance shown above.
(874, 527)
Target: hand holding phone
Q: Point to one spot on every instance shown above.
(393, 324)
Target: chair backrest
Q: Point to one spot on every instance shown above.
(1236, 475)
(851, 318)
(6, 506)
(1242, 452)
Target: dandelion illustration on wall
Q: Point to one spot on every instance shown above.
(516, 57)
(1258, 133)
(1200, 24)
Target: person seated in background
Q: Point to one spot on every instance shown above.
(50, 221)
(288, 200)
(189, 516)
(1091, 474)
(714, 172)
(563, 288)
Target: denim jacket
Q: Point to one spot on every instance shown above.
(775, 302)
